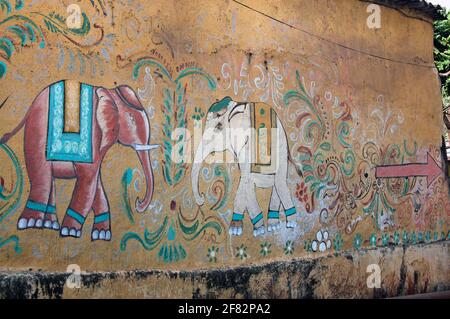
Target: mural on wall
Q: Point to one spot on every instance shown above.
(68, 129)
(255, 136)
(289, 159)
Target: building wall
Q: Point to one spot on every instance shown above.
(355, 103)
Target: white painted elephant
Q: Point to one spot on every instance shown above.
(254, 134)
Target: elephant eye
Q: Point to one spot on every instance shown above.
(219, 127)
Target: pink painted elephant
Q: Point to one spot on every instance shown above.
(106, 117)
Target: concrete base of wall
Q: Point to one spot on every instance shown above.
(405, 271)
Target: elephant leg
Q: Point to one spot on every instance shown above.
(273, 216)
(38, 168)
(82, 199)
(50, 219)
(40, 186)
(237, 221)
(288, 205)
(101, 230)
(254, 210)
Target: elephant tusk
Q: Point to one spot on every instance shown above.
(145, 147)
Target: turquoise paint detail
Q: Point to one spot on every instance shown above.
(13, 238)
(127, 177)
(7, 46)
(273, 214)
(101, 218)
(237, 217)
(171, 234)
(76, 216)
(290, 211)
(257, 218)
(51, 209)
(218, 106)
(30, 32)
(16, 194)
(5, 4)
(36, 206)
(70, 147)
(19, 4)
(20, 33)
(2, 69)
(172, 253)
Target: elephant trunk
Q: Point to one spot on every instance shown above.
(144, 158)
(200, 156)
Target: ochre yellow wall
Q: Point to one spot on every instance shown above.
(391, 97)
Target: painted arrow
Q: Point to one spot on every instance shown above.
(431, 170)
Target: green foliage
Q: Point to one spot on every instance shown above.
(16, 27)
(10, 200)
(56, 23)
(442, 53)
(6, 5)
(175, 118)
(149, 241)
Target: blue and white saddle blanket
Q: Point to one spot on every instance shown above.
(69, 135)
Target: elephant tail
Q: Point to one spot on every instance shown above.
(297, 168)
(6, 137)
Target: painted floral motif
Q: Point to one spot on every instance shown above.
(241, 252)
(385, 239)
(212, 254)
(289, 247)
(373, 240)
(265, 249)
(428, 236)
(436, 236)
(396, 238)
(357, 241)
(302, 192)
(307, 245)
(174, 108)
(405, 238)
(420, 237)
(322, 241)
(413, 238)
(198, 114)
(338, 242)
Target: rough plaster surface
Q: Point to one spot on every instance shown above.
(375, 91)
(404, 271)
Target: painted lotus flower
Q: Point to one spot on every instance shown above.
(212, 254)
(289, 248)
(241, 252)
(265, 249)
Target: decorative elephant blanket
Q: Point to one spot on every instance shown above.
(264, 138)
(69, 136)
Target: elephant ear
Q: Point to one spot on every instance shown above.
(128, 96)
(107, 118)
(236, 110)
